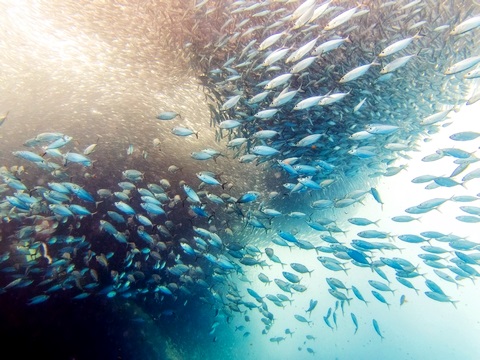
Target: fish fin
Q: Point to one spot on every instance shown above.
(454, 303)
(418, 35)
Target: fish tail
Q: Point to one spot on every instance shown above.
(418, 35)
(454, 303)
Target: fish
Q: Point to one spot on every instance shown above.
(340, 19)
(359, 295)
(230, 102)
(380, 286)
(466, 25)
(339, 295)
(182, 131)
(440, 297)
(167, 115)
(302, 319)
(278, 81)
(291, 277)
(312, 305)
(207, 178)
(380, 298)
(3, 118)
(355, 322)
(377, 328)
(462, 65)
(329, 46)
(38, 299)
(398, 45)
(270, 60)
(396, 64)
(191, 194)
(297, 103)
(269, 41)
(300, 268)
(356, 73)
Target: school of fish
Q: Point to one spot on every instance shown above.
(326, 98)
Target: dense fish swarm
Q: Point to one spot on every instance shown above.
(322, 96)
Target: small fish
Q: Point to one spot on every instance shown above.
(272, 39)
(167, 115)
(356, 73)
(130, 149)
(440, 297)
(229, 124)
(355, 322)
(181, 131)
(466, 25)
(89, 149)
(396, 64)
(329, 46)
(291, 277)
(376, 196)
(380, 298)
(340, 19)
(278, 81)
(377, 328)
(302, 319)
(230, 102)
(359, 105)
(358, 294)
(38, 299)
(399, 45)
(302, 269)
(191, 194)
(3, 118)
(462, 65)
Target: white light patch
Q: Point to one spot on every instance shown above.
(408, 329)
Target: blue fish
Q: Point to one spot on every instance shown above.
(355, 322)
(380, 298)
(125, 208)
(167, 115)
(248, 197)
(377, 328)
(191, 194)
(38, 299)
